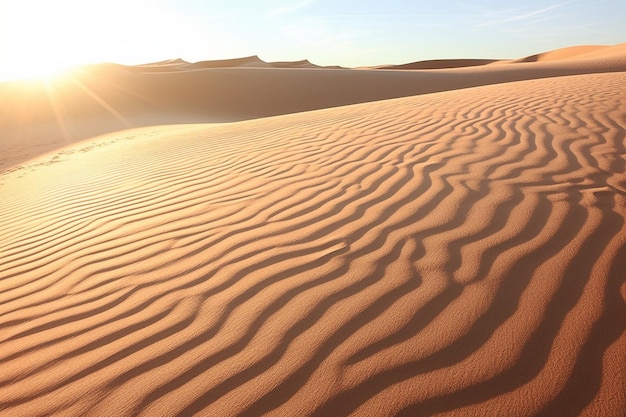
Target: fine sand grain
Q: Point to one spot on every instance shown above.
(456, 253)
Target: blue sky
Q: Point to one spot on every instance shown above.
(349, 33)
(374, 32)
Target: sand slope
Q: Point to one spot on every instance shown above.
(440, 63)
(43, 116)
(563, 53)
(457, 253)
(577, 52)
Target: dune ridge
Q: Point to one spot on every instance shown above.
(576, 52)
(440, 64)
(564, 53)
(454, 253)
(40, 117)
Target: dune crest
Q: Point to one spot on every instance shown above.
(563, 53)
(440, 64)
(39, 117)
(455, 253)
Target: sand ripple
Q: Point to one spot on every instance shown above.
(457, 253)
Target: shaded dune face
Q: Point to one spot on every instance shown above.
(46, 115)
(458, 253)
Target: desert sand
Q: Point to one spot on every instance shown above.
(245, 238)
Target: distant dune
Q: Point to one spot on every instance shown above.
(581, 53)
(169, 65)
(564, 53)
(440, 64)
(245, 62)
(103, 98)
(255, 238)
(250, 61)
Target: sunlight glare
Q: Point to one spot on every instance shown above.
(40, 37)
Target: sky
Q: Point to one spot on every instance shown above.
(39, 36)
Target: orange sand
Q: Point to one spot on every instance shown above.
(457, 250)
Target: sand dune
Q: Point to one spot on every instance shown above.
(165, 66)
(440, 63)
(39, 117)
(453, 253)
(245, 62)
(563, 53)
(615, 52)
(250, 61)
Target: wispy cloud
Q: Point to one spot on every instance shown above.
(518, 15)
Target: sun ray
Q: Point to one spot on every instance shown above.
(51, 95)
(100, 101)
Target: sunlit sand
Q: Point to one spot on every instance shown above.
(247, 238)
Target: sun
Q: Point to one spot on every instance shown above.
(31, 42)
(43, 37)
